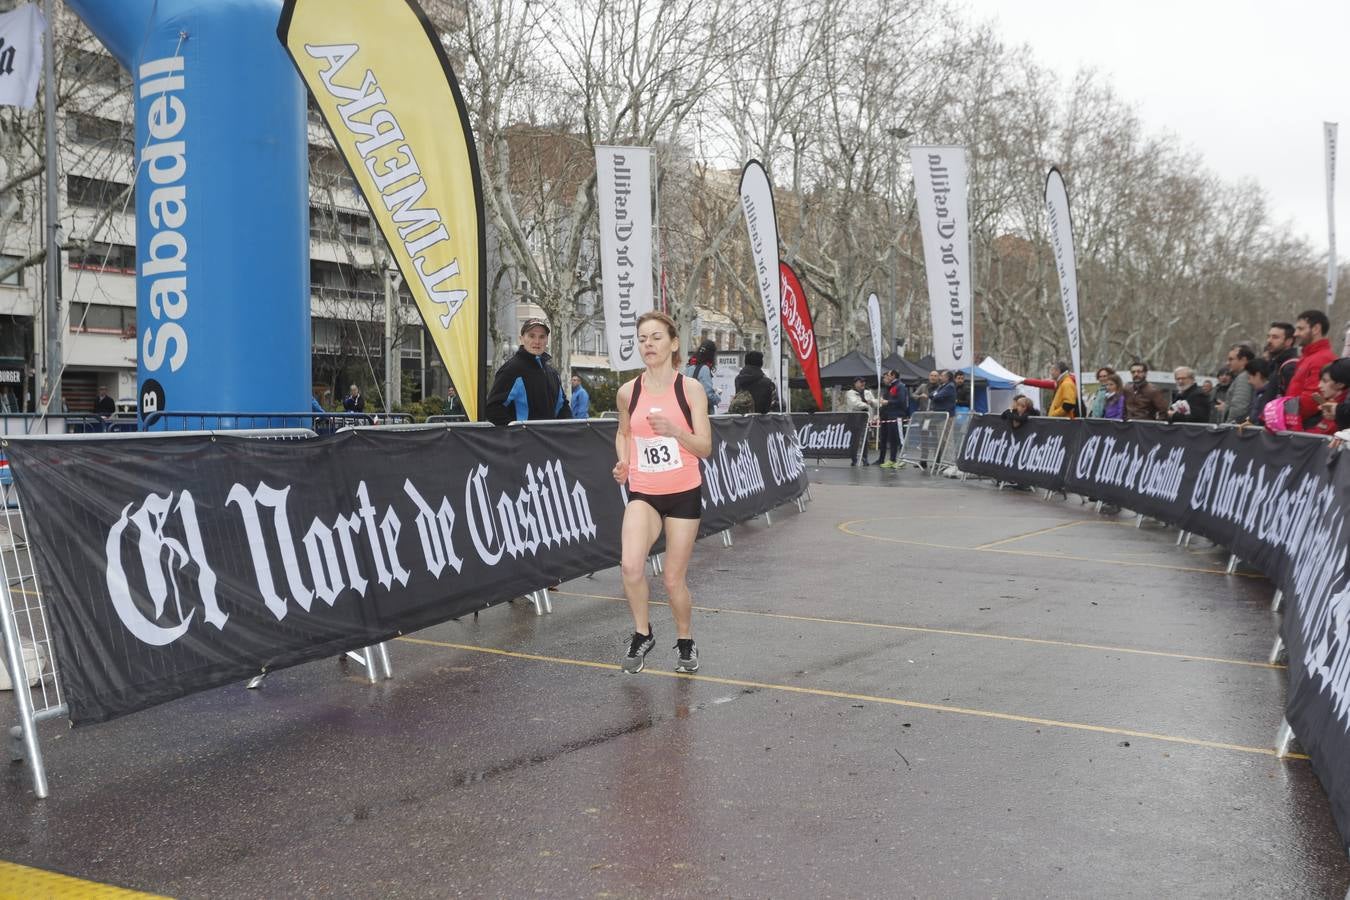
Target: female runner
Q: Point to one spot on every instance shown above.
(663, 432)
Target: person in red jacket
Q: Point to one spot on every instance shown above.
(1311, 333)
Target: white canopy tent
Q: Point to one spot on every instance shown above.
(994, 367)
(1000, 400)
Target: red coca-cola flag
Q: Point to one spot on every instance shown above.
(798, 330)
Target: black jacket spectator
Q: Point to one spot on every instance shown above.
(1198, 402)
(1018, 417)
(526, 387)
(752, 378)
(1282, 368)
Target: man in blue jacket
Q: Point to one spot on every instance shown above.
(944, 398)
(581, 399)
(894, 408)
(527, 386)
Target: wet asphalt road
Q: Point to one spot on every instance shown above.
(1075, 708)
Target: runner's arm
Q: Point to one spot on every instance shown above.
(622, 437)
(698, 441)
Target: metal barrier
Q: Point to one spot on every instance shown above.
(29, 657)
(319, 423)
(65, 423)
(450, 417)
(425, 426)
(922, 443)
(957, 429)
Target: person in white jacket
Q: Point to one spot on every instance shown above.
(859, 399)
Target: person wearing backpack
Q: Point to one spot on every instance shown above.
(663, 433)
(755, 392)
(700, 369)
(894, 407)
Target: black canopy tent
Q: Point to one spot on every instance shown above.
(842, 371)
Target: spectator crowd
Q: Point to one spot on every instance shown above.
(1295, 382)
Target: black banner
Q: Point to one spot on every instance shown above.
(1037, 453)
(1277, 501)
(835, 435)
(178, 563)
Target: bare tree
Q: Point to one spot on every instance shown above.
(551, 80)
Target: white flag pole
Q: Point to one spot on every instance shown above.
(940, 193)
(756, 194)
(1060, 221)
(1329, 133)
(970, 254)
(624, 200)
(874, 325)
(659, 301)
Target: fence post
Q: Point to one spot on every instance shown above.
(18, 676)
(922, 444)
(1283, 738)
(1276, 651)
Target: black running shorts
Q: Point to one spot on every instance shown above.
(684, 505)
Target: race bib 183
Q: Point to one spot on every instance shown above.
(658, 454)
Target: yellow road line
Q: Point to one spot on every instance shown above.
(1255, 664)
(1019, 537)
(870, 698)
(845, 528)
(25, 882)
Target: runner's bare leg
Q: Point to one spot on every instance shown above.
(680, 536)
(641, 528)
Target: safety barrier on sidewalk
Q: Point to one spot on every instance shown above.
(500, 511)
(30, 658)
(318, 422)
(1278, 501)
(952, 442)
(924, 439)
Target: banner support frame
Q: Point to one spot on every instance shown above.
(18, 674)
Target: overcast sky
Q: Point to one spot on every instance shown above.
(1246, 84)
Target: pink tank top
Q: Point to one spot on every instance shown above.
(656, 464)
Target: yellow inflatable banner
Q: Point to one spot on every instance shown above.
(384, 86)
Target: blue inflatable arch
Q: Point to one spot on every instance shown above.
(222, 203)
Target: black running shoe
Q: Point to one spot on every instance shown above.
(638, 648)
(688, 656)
